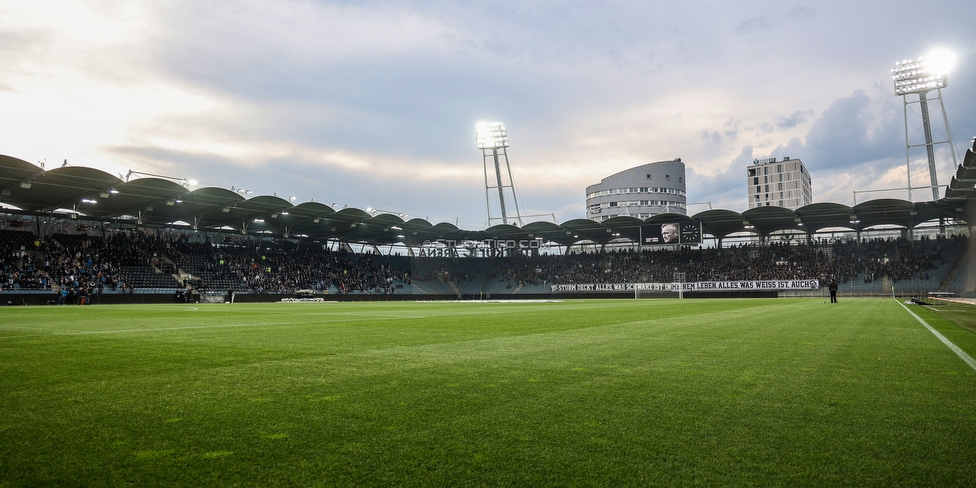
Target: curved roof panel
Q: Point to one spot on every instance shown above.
(504, 231)
(623, 226)
(387, 220)
(64, 187)
(585, 229)
(312, 210)
(134, 197)
(160, 201)
(720, 223)
(818, 216)
(444, 231)
(350, 214)
(549, 232)
(15, 171)
(667, 217)
(203, 207)
(961, 186)
(767, 220)
(884, 211)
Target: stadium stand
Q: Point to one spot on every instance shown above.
(136, 240)
(130, 262)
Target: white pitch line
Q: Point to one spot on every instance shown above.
(157, 329)
(160, 329)
(365, 314)
(959, 352)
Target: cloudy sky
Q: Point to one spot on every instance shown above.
(374, 103)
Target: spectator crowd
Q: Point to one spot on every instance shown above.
(91, 265)
(897, 259)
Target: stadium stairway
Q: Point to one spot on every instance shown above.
(962, 280)
(955, 264)
(454, 287)
(498, 287)
(417, 288)
(474, 272)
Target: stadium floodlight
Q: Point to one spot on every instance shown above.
(491, 135)
(926, 74)
(919, 77)
(185, 183)
(373, 212)
(492, 139)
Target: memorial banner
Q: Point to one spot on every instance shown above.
(741, 285)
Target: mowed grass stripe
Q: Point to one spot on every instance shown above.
(635, 392)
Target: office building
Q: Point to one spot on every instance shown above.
(773, 183)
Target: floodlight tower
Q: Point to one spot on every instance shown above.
(492, 139)
(921, 77)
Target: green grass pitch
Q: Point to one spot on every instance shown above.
(768, 392)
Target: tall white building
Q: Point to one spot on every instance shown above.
(640, 192)
(775, 183)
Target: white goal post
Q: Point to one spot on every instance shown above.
(662, 290)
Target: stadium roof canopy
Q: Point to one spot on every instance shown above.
(91, 194)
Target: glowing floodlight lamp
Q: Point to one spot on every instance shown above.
(928, 73)
(940, 61)
(491, 135)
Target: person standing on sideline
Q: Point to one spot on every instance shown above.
(833, 290)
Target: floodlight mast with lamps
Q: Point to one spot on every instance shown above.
(492, 139)
(927, 74)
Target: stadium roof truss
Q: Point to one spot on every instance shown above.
(91, 194)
